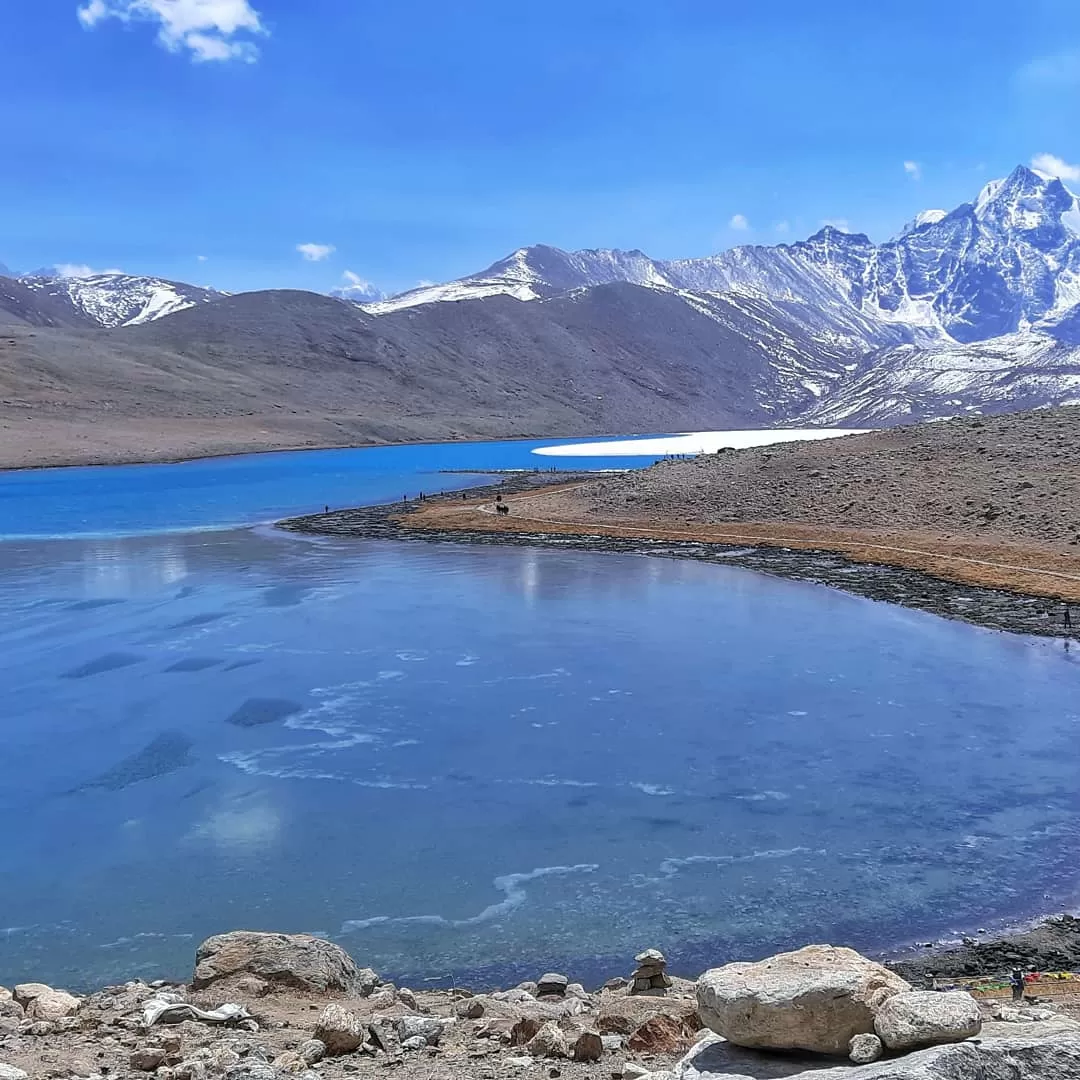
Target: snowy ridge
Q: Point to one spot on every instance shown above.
(1007, 262)
(113, 299)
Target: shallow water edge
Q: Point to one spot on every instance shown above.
(994, 609)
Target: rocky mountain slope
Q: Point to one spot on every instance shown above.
(114, 299)
(969, 310)
(974, 310)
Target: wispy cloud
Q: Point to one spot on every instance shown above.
(782, 228)
(913, 169)
(316, 252)
(81, 270)
(358, 288)
(1053, 71)
(836, 223)
(739, 223)
(206, 29)
(202, 258)
(1054, 166)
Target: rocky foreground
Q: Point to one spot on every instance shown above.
(274, 1006)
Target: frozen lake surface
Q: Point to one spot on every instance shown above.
(480, 763)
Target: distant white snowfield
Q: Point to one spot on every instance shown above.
(694, 442)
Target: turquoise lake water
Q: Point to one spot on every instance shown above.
(480, 763)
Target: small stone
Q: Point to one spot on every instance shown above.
(633, 1071)
(551, 983)
(524, 1031)
(612, 1042)
(549, 1042)
(429, 1028)
(148, 1059)
(650, 956)
(312, 1050)
(171, 1044)
(366, 982)
(617, 984)
(865, 1049)
(407, 997)
(588, 1046)
(190, 1070)
(414, 1042)
(290, 1062)
(9, 1072)
(340, 1031)
(220, 1058)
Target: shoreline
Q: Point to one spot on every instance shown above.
(438, 519)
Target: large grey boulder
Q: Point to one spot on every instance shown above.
(923, 1018)
(817, 999)
(1055, 1058)
(296, 960)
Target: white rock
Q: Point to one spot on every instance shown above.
(340, 1031)
(815, 999)
(9, 1072)
(923, 1018)
(414, 1042)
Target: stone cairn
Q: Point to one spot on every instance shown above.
(650, 973)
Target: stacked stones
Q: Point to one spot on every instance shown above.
(650, 973)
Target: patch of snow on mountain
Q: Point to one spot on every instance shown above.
(115, 299)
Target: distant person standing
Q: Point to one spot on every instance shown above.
(1016, 981)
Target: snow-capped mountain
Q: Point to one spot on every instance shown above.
(358, 291)
(1008, 261)
(115, 299)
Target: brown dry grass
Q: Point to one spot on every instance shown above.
(1020, 566)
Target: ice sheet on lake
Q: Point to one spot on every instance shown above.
(697, 442)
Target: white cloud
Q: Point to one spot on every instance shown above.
(837, 223)
(356, 280)
(739, 223)
(1054, 166)
(913, 169)
(80, 270)
(207, 29)
(782, 227)
(316, 252)
(202, 258)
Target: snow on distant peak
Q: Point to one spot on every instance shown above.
(927, 217)
(113, 298)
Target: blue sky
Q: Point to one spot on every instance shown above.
(205, 140)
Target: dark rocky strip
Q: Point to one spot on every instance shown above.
(996, 609)
(1052, 945)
